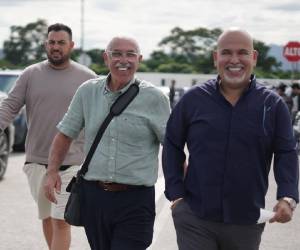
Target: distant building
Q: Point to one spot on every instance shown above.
(188, 80)
(182, 80)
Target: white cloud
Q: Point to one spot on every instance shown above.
(289, 7)
(148, 21)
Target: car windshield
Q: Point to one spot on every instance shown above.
(6, 82)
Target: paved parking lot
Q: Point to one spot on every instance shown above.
(21, 230)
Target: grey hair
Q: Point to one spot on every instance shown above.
(110, 44)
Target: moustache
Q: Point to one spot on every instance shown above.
(54, 51)
(127, 65)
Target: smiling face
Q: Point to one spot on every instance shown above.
(235, 58)
(122, 57)
(59, 47)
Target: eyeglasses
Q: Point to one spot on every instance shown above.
(119, 54)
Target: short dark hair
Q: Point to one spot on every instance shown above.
(281, 86)
(60, 27)
(295, 85)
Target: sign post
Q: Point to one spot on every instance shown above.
(291, 51)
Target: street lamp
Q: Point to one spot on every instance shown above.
(82, 26)
(83, 58)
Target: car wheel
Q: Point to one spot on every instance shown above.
(4, 152)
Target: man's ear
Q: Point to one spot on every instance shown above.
(255, 56)
(140, 58)
(105, 58)
(215, 55)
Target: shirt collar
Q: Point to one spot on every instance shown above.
(120, 91)
(252, 83)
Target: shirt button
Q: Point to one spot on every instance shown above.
(112, 157)
(113, 139)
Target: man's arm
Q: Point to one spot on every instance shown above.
(12, 104)
(286, 166)
(59, 148)
(173, 155)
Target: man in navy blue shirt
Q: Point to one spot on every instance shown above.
(233, 127)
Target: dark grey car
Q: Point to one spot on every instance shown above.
(6, 142)
(7, 81)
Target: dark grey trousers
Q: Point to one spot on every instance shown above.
(194, 233)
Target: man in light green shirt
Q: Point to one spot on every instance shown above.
(119, 206)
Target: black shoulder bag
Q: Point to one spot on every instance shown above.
(73, 214)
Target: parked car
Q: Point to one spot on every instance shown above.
(6, 142)
(7, 81)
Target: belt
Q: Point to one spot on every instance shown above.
(116, 187)
(61, 168)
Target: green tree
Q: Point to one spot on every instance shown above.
(98, 64)
(264, 62)
(99, 69)
(96, 56)
(190, 47)
(157, 58)
(143, 67)
(191, 43)
(25, 44)
(75, 54)
(194, 48)
(4, 64)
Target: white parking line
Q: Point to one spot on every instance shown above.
(159, 188)
(164, 213)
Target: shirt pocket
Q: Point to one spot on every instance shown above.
(134, 130)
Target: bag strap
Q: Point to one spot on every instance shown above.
(116, 109)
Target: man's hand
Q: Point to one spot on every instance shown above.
(52, 182)
(283, 212)
(175, 202)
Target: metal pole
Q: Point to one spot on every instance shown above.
(82, 26)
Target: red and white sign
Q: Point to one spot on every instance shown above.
(291, 51)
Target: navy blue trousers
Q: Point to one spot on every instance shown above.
(118, 220)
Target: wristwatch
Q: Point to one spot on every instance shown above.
(292, 203)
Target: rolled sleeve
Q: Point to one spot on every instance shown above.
(73, 121)
(160, 115)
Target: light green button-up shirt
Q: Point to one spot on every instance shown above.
(128, 150)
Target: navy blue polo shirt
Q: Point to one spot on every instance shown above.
(230, 152)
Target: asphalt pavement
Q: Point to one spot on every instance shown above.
(21, 230)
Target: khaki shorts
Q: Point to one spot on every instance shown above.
(36, 174)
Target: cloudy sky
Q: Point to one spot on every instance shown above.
(271, 21)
